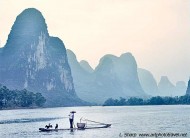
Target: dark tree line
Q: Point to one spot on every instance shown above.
(19, 98)
(152, 101)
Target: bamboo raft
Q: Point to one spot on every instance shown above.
(49, 130)
(80, 126)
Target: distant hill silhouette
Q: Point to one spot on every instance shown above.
(166, 88)
(113, 77)
(148, 82)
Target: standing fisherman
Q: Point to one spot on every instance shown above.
(71, 118)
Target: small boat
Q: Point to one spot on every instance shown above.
(95, 127)
(80, 126)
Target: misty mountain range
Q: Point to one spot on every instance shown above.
(166, 88)
(113, 77)
(118, 77)
(33, 60)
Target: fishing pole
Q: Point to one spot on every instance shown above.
(93, 121)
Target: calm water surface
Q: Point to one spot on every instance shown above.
(24, 123)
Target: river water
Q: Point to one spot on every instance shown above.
(24, 123)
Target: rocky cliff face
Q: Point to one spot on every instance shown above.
(34, 60)
(148, 82)
(114, 77)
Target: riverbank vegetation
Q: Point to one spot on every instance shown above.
(158, 100)
(10, 99)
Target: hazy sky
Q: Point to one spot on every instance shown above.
(156, 32)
